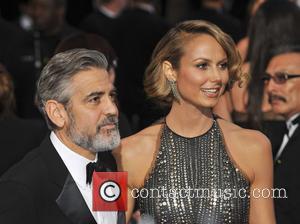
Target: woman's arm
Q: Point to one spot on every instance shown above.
(251, 151)
(261, 200)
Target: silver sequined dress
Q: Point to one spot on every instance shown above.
(194, 181)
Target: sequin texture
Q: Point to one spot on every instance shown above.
(213, 190)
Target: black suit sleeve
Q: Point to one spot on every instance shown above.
(16, 204)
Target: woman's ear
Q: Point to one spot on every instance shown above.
(168, 71)
(56, 113)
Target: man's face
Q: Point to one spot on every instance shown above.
(92, 113)
(284, 97)
(45, 14)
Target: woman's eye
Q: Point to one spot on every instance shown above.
(202, 65)
(224, 65)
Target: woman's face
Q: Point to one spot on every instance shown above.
(203, 71)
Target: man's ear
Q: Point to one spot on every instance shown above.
(56, 113)
(168, 71)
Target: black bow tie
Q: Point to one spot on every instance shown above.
(296, 120)
(90, 168)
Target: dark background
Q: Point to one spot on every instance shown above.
(78, 9)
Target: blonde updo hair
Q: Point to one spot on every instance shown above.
(171, 48)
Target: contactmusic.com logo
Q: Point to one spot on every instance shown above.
(109, 191)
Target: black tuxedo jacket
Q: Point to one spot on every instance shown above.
(100, 24)
(286, 175)
(40, 190)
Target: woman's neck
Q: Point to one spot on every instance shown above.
(188, 120)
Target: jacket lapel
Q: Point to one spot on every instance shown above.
(294, 137)
(72, 204)
(70, 200)
(289, 146)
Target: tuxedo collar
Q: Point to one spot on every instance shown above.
(72, 204)
(70, 200)
(295, 136)
(75, 163)
(56, 168)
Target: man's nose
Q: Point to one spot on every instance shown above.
(110, 107)
(271, 86)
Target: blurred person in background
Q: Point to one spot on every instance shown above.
(214, 12)
(17, 136)
(242, 45)
(49, 28)
(102, 20)
(273, 24)
(282, 83)
(138, 30)
(25, 20)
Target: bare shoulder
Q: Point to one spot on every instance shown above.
(140, 142)
(250, 149)
(136, 153)
(250, 139)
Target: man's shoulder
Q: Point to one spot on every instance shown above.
(31, 168)
(21, 182)
(28, 167)
(94, 18)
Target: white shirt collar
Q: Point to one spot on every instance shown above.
(145, 6)
(289, 122)
(75, 163)
(108, 13)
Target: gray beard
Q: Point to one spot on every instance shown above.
(98, 142)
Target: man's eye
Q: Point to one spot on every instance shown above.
(224, 65)
(113, 96)
(281, 77)
(202, 66)
(94, 100)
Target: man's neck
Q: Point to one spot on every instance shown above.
(61, 135)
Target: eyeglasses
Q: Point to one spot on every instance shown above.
(279, 77)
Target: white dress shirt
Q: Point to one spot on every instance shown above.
(291, 129)
(145, 6)
(76, 165)
(108, 13)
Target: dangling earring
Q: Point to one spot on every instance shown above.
(174, 90)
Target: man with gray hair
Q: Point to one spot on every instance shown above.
(52, 184)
